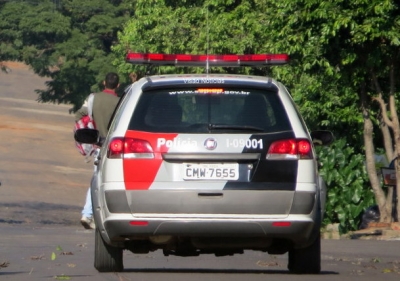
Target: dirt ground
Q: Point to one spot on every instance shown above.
(43, 177)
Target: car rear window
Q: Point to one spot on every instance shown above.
(209, 110)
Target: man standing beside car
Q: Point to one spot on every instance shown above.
(103, 107)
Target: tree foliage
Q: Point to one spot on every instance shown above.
(344, 173)
(197, 27)
(355, 45)
(67, 41)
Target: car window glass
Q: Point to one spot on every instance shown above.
(191, 111)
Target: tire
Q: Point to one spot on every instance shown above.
(107, 258)
(306, 260)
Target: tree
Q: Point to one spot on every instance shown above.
(67, 41)
(199, 27)
(357, 45)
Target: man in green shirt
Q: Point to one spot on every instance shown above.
(103, 107)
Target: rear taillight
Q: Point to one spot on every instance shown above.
(281, 223)
(291, 149)
(139, 223)
(129, 148)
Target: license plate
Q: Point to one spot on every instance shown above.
(217, 171)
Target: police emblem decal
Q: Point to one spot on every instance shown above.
(210, 143)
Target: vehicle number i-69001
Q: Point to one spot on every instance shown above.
(245, 143)
(210, 171)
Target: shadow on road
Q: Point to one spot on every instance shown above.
(39, 213)
(222, 271)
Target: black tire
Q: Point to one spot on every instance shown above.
(107, 258)
(306, 260)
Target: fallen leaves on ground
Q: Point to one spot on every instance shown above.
(4, 264)
(267, 263)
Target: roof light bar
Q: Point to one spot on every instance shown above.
(201, 60)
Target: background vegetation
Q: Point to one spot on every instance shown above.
(68, 41)
(344, 54)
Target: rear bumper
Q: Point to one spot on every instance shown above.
(296, 229)
(185, 215)
(210, 202)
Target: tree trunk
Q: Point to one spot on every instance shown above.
(396, 192)
(392, 121)
(388, 144)
(396, 132)
(387, 140)
(380, 197)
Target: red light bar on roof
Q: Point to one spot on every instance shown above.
(213, 60)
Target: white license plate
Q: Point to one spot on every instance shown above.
(217, 171)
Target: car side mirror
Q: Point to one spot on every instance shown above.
(90, 136)
(322, 137)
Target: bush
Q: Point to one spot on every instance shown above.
(348, 190)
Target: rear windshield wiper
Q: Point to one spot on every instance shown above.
(234, 127)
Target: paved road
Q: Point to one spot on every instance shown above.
(61, 252)
(44, 182)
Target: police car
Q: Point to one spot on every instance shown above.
(207, 164)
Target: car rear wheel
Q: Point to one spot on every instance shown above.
(306, 260)
(107, 258)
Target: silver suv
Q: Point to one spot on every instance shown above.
(207, 163)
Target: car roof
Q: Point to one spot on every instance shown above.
(211, 79)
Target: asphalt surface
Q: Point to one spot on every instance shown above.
(43, 185)
(66, 253)
(43, 177)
